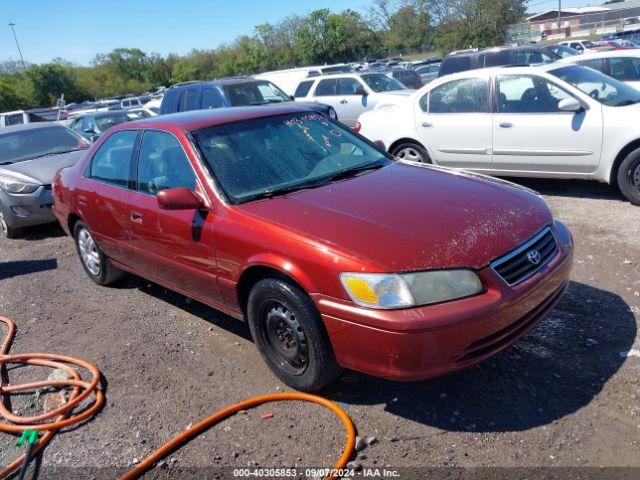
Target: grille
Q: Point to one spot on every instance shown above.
(526, 260)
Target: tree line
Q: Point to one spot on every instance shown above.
(387, 27)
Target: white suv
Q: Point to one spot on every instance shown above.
(557, 120)
(351, 94)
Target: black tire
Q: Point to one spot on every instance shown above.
(411, 151)
(5, 230)
(628, 177)
(102, 270)
(288, 331)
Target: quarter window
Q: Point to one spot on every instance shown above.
(528, 94)
(303, 89)
(460, 96)
(112, 162)
(327, 87)
(163, 164)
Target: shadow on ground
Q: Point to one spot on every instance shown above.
(25, 267)
(571, 188)
(551, 372)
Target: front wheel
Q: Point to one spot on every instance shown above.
(6, 230)
(288, 331)
(95, 263)
(629, 177)
(412, 152)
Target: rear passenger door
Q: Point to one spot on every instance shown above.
(188, 100)
(327, 92)
(175, 247)
(104, 193)
(453, 121)
(352, 100)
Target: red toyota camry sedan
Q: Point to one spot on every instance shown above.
(337, 255)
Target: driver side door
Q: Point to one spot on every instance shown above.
(531, 134)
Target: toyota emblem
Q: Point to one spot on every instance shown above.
(533, 256)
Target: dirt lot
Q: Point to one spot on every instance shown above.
(566, 395)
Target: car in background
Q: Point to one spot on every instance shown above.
(336, 255)
(30, 156)
(288, 79)
(229, 92)
(584, 46)
(408, 77)
(31, 115)
(351, 94)
(623, 65)
(131, 102)
(561, 50)
(154, 105)
(495, 57)
(427, 71)
(558, 120)
(92, 125)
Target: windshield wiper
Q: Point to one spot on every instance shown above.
(352, 172)
(265, 102)
(626, 102)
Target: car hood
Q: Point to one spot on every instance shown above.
(407, 217)
(43, 169)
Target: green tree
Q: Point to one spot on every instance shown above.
(49, 81)
(10, 99)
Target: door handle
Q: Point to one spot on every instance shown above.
(506, 125)
(136, 217)
(426, 124)
(82, 200)
(343, 101)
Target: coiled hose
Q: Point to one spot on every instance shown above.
(81, 390)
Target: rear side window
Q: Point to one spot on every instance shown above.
(596, 64)
(495, 59)
(455, 64)
(625, 69)
(212, 98)
(188, 100)
(303, 89)
(112, 161)
(163, 164)
(15, 119)
(468, 95)
(169, 101)
(327, 87)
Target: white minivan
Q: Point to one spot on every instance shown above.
(352, 94)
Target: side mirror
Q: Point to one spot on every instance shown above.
(291, 97)
(570, 105)
(380, 145)
(89, 130)
(179, 199)
(361, 91)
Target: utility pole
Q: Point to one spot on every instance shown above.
(559, 13)
(12, 25)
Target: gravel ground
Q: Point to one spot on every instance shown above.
(566, 395)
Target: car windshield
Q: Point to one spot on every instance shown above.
(598, 86)
(381, 83)
(255, 93)
(21, 145)
(564, 51)
(271, 156)
(108, 121)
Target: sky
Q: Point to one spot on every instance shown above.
(78, 30)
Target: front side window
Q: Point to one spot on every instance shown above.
(328, 87)
(271, 156)
(350, 86)
(379, 82)
(601, 87)
(212, 98)
(303, 89)
(468, 95)
(163, 164)
(28, 144)
(104, 123)
(625, 69)
(528, 94)
(112, 162)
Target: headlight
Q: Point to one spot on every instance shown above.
(401, 290)
(17, 183)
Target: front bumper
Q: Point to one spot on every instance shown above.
(424, 342)
(27, 210)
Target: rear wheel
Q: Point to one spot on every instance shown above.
(628, 177)
(288, 331)
(95, 263)
(411, 151)
(6, 230)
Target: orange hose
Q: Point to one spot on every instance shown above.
(81, 390)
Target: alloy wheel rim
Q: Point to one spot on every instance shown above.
(89, 252)
(285, 338)
(3, 224)
(411, 154)
(635, 177)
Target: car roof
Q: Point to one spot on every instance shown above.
(197, 119)
(606, 54)
(513, 70)
(219, 81)
(28, 126)
(480, 51)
